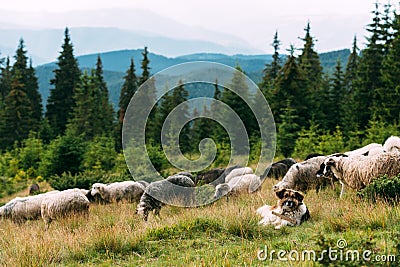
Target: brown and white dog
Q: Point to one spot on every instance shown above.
(290, 210)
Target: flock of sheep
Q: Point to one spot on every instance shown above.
(177, 189)
(355, 169)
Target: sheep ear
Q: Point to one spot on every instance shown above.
(279, 194)
(299, 196)
(330, 162)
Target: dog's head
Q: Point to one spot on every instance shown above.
(289, 199)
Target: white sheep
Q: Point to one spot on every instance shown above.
(237, 172)
(63, 203)
(358, 172)
(392, 144)
(129, 191)
(21, 209)
(302, 176)
(368, 150)
(243, 183)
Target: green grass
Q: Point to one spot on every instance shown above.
(220, 234)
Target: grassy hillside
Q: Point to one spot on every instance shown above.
(221, 234)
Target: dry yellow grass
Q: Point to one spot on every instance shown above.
(224, 233)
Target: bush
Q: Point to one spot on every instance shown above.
(63, 154)
(384, 188)
(100, 154)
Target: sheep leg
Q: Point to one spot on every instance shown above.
(341, 191)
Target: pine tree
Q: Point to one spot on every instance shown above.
(17, 115)
(148, 90)
(290, 87)
(5, 80)
(128, 89)
(271, 70)
(350, 81)
(26, 78)
(310, 65)
(86, 119)
(170, 101)
(366, 91)
(105, 109)
(61, 100)
(32, 90)
(390, 90)
(287, 130)
(337, 99)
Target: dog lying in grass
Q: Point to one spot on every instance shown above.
(290, 210)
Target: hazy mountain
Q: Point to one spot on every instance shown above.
(116, 63)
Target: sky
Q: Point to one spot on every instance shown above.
(333, 23)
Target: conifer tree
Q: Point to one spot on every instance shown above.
(85, 120)
(310, 65)
(350, 82)
(337, 99)
(105, 109)
(287, 130)
(5, 80)
(17, 115)
(28, 82)
(366, 94)
(61, 100)
(290, 87)
(390, 90)
(128, 89)
(271, 70)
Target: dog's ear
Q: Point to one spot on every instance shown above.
(299, 196)
(279, 194)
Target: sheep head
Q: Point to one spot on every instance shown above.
(221, 190)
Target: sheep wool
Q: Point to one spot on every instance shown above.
(358, 172)
(302, 176)
(62, 204)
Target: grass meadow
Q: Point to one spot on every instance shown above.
(224, 233)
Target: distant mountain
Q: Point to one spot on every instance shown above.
(116, 63)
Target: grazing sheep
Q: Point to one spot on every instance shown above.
(392, 144)
(358, 172)
(21, 209)
(237, 172)
(312, 155)
(302, 176)
(129, 191)
(173, 189)
(63, 203)
(33, 189)
(244, 183)
(215, 176)
(278, 169)
(366, 150)
(144, 183)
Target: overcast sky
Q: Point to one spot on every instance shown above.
(333, 23)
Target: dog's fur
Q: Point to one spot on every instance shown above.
(290, 204)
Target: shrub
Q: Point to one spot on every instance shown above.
(100, 154)
(63, 154)
(385, 188)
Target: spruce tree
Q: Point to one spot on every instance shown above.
(290, 87)
(271, 70)
(350, 81)
(86, 119)
(5, 80)
(28, 82)
(310, 65)
(105, 109)
(17, 115)
(369, 73)
(337, 99)
(390, 90)
(128, 89)
(61, 100)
